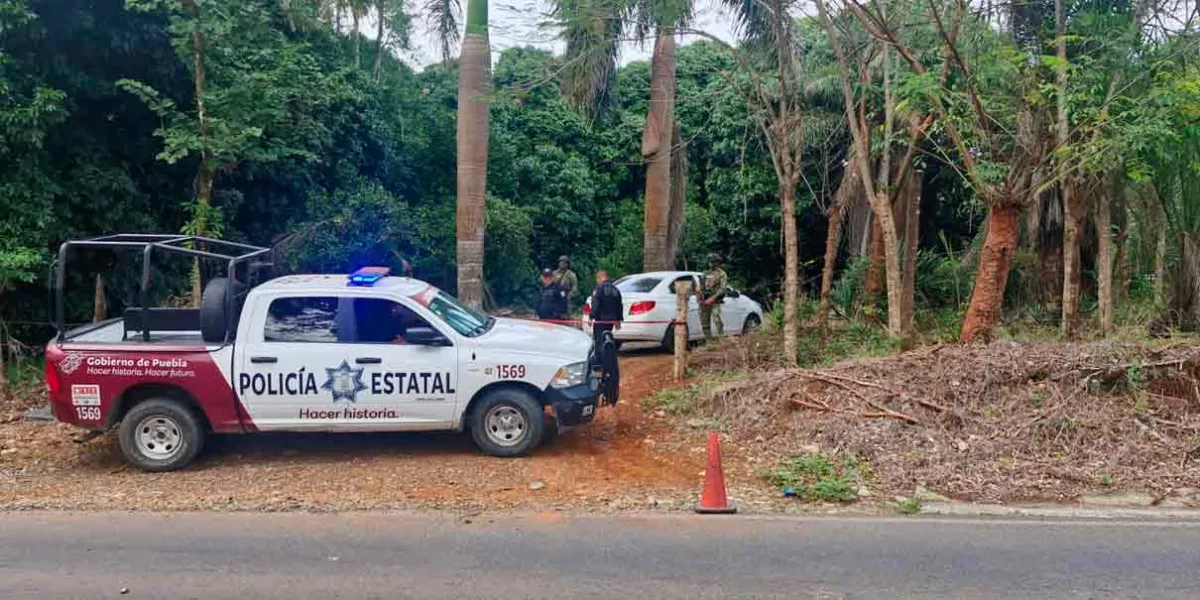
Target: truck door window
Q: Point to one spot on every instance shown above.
(379, 321)
(302, 319)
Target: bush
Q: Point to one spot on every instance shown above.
(367, 225)
(680, 401)
(510, 271)
(942, 280)
(846, 290)
(856, 338)
(361, 226)
(816, 477)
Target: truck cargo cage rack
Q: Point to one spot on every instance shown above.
(233, 254)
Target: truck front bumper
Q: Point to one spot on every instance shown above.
(575, 405)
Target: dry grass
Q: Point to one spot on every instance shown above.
(1003, 422)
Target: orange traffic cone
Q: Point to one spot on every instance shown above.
(713, 500)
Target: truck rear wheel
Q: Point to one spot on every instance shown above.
(508, 422)
(161, 434)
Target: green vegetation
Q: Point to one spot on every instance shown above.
(1006, 175)
(678, 401)
(909, 506)
(819, 477)
(686, 400)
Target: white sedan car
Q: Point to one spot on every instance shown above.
(649, 302)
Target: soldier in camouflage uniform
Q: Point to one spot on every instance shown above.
(713, 294)
(565, 278)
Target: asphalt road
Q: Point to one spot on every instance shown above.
(294, 556)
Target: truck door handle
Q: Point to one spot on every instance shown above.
(263, 359)
(368, 360)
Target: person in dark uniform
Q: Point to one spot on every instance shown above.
(552, 304)
(608, 311)
(607, 308)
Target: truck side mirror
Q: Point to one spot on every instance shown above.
(425, 336)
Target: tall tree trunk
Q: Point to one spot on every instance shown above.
(1185, 299)
(791, 276)
(474, 89)
(995, 262)
(891, 259)
(833, 237)
(912, 221)
(675, 214)
(1160, 262)
(1047, 231)
(874, 281)
(1072, 220)
(656, 152)
(357, 37)
(859, 224)
(205, 174)
(1104, 265)
(1072, 206)
(377, 69)
(1121, 266)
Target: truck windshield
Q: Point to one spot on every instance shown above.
(465, 320)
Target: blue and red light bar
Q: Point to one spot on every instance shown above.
(367, 276)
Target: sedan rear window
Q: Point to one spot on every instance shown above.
(637, 285)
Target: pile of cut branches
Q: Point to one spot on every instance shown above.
(1003, 422)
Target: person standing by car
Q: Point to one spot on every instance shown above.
(551, 302)
(712, 294)
(608, 311)
(565, 279)
(607, 308)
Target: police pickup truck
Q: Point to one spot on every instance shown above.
(365, 352)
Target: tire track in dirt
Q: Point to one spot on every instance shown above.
(623, 451)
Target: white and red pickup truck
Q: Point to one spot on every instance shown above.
(328, 353)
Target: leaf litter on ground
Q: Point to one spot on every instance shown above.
(1005, 422)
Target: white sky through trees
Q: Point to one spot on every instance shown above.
(518, 23)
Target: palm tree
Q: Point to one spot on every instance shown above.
(474, 89)
(593, 30)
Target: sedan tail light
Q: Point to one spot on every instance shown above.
(587, 309)
(642, 307)
(52, 383)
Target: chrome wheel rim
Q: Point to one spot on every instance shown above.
(505, 425)
(159, 437)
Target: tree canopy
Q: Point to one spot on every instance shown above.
(321, 141)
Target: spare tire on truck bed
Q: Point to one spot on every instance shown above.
(216, 317)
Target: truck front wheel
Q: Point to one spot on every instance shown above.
(161, 435)
(508, 422)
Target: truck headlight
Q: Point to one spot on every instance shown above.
(570, 376)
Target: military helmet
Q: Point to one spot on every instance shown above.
(547, 271)
(714, 257)
(564, 258)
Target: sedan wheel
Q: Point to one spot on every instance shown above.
(751, 325)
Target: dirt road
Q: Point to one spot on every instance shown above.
(626, 459)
